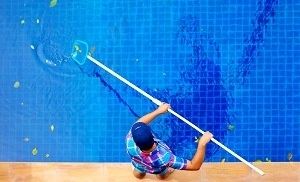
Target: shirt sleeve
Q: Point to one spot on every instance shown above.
(130, 145)
(178, 162)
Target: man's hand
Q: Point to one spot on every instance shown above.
(152, 115)
(198, 158)
(163, 108)
(205, 138)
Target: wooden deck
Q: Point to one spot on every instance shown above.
(110, 172)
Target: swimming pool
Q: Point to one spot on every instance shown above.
(230, 68)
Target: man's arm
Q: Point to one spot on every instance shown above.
(152, 115)
(198, 158)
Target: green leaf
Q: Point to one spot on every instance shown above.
(17, 84)
(53, 3)
(34, 151)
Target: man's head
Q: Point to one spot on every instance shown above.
(142, 136)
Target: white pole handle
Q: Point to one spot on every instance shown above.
(157, 102)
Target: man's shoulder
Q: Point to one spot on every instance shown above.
(130, 145)
(129, 140)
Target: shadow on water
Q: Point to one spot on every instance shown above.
(199, 94)
(264, 13)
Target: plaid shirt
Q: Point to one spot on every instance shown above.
(155, 162)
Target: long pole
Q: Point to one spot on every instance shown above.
(157, 102)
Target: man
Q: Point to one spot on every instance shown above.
(151, 155)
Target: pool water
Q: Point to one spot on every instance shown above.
(228, 67)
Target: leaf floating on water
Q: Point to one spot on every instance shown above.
(34, 151)
(196, 139)
(77, 48)
(47, 155)
(53, 3)
(230, 127)
(290, 156)
(17, 84)
(22, 22)
(50, 63)
(92, 50)
(268, 160)
(32, 47)
(26, 139)
(52, 127)
(37, 21)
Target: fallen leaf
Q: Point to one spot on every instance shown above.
(52, 127)
(290, 156)
(34, 151)
(53, 3)
(17, 84)
(230, 127)
(196, 139)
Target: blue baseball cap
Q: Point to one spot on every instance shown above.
(142, 135)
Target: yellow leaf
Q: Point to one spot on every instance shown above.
(34, 151)
(53, 3)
